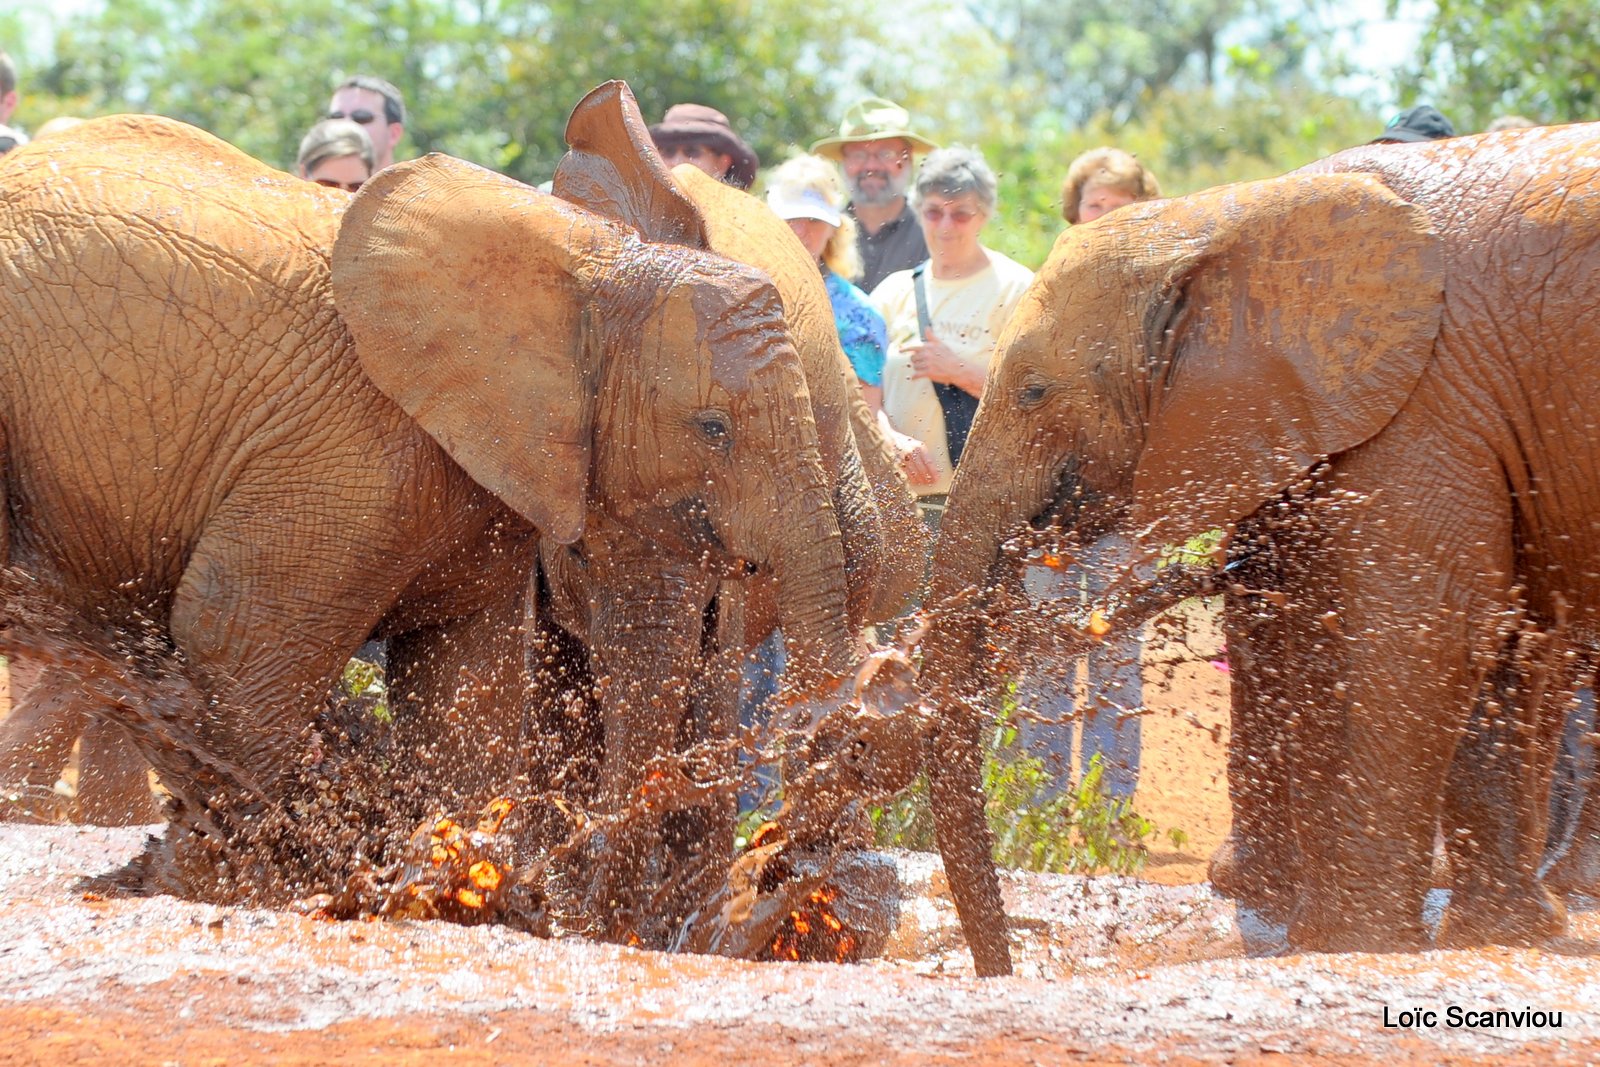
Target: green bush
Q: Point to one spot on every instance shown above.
(363, 681)
(1076, 830)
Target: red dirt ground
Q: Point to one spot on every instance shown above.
(1110, 970)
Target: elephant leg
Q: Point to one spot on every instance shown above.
(1255, 862)
(113, 779)
(36, 742)
(1496, 816)
(1278, 656)
(265, 624)
(37, 736)
(1421, 559)
(645, 638)
(458, 690)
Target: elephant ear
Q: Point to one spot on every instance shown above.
(613, 169)
(466, 292)
(1296, 331)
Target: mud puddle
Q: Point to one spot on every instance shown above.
(1109, 970)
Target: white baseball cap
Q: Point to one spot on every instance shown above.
(802, 202)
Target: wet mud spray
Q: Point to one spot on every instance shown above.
(357, 827)
(243, 965)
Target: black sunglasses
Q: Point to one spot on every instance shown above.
(331, 184)
(360, 114)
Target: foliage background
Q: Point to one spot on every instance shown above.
(1205, 91)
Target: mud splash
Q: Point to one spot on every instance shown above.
(358, 827)
(1110, 970)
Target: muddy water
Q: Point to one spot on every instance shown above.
(1110, 969)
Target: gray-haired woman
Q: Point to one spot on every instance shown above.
(937, 361)
(336, 153)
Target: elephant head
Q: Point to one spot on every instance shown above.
(1174, 366)
(607, 390)
(614, 169)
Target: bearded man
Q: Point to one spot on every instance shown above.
(875, 148)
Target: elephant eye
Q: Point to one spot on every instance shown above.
(715, 429)
(1032, 394)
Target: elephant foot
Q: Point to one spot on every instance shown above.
(1357, 937)
(1529, 916)
(34, 804)
(1395, 925)
(1256, 876)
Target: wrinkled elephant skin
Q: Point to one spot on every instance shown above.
(1379, 375)
(225, 427)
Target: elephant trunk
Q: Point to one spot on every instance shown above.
(645, 637)
(988, 502)
(861, 537)
(645, 640)
(809, 564)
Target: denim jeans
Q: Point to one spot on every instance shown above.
(1115, 691)
(756, 691)
(1574, 772)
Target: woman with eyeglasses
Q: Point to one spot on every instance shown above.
(944, 317)
(336, 153)
(1098, 182)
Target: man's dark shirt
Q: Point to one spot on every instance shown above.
(897, 246)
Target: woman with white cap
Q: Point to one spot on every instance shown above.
(805, 191)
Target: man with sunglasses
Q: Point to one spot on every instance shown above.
(378, 108)
(874, 148)
(9, 138)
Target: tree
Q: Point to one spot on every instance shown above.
(488, 80)
(1203, 90)
(1102, 57)
(1484, 58)
(1244, 106)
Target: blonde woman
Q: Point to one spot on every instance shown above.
(1102, 180)
(805, 192)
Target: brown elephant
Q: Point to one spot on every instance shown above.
(614, 169)
(1384, 371)
(220, 434)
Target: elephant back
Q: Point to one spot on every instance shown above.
(170, 330)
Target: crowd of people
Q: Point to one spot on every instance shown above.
(894, 222)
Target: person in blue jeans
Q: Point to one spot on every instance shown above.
(1115, 690)
(1098, 182)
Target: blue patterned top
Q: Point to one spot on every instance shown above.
(861, 329)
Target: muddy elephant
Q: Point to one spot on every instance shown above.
(688, 670)
(261, 453)
(1384, 370)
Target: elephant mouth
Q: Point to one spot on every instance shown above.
(1069, 498)
(692, 517)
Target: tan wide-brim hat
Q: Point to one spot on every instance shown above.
(873, 119)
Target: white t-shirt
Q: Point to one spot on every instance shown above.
(967, 314)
